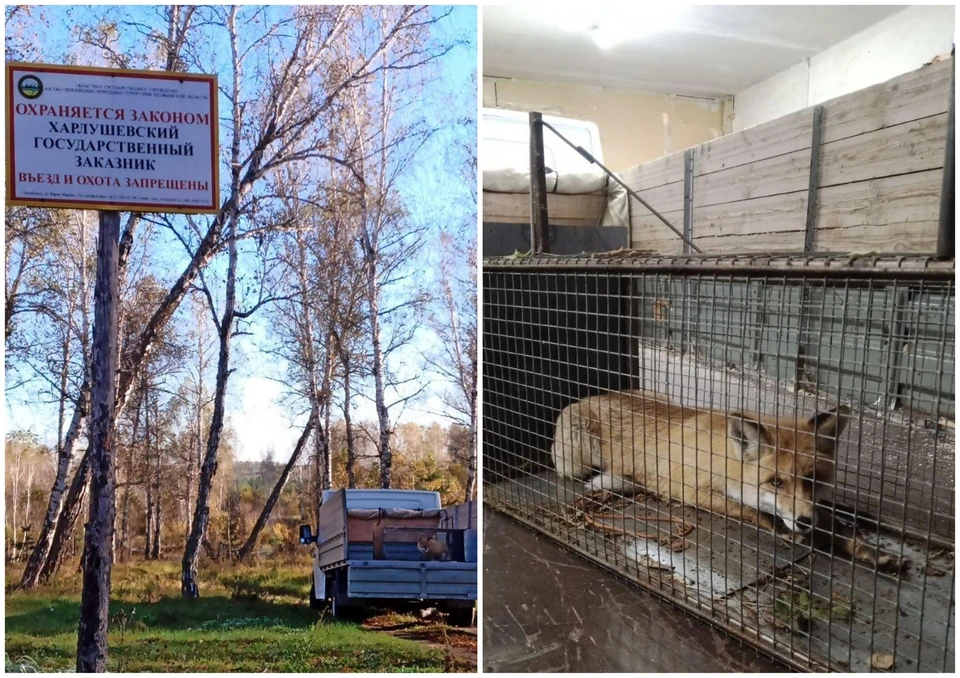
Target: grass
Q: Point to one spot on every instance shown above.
(798, 609)
(247, 619)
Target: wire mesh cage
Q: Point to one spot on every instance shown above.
(766, 442)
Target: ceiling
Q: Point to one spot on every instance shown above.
(690, 50)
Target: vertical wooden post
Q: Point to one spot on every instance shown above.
(687, 200)
(814, 181)
(98, 551)
(539, 224)
(946, 236)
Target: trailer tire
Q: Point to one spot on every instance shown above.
(315, 603)
(339, 607)
(460, 616)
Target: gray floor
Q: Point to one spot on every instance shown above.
(546, 609)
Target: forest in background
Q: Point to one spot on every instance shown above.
(425, 458)
(342, 264)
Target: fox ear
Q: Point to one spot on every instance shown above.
(745, 434)
(829, 425)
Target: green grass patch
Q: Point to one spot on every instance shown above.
(799, 609)
(247, 619)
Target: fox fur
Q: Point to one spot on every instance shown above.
(431, 548)
(742, 465)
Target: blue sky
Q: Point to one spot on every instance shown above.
(433, 192)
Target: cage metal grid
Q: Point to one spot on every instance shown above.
(871, 587)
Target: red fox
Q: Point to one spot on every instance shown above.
(432, 549)
(742, 465)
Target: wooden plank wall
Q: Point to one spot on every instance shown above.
(460, 516)
(881, 163)
(563, 210)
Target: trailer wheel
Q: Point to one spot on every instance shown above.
(315, 603)
(339, 607)
(460, 616)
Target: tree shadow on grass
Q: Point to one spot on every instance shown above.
(217, 612)
(216, 633)
(60, 616)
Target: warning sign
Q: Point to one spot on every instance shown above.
(97, 138)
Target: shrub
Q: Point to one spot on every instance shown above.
(244, 585)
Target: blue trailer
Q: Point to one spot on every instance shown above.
(392, 547)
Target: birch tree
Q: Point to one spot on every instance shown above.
(455, 324)
(62, 306)
(384, 147)
(454, 317)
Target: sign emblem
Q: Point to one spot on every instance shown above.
(30, 87)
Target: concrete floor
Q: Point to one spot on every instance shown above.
(546, 609)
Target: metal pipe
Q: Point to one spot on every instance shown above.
(562, 266)
(946, 244)
(593, 161)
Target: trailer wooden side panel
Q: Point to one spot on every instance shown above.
(563, 210)
(332, 530)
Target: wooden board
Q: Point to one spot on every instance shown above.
(460, 516)
(911, 147)
(666, 246)
(644, 227)
(775, 214)
(371, 530)
(778, 137)
(883, 215)
(564, 210)
(665, 198)
(889, 214)
(757, 242)
(912, 96)
(654, 173)
(882, 152)
(771, 176)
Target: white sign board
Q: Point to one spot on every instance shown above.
(96, 138)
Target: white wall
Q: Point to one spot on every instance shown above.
(900, 43)
(635, 127)
(784, 93)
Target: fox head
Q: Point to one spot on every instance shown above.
(431, 544)
(783, 461)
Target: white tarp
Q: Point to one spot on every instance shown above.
(374, 514)
(517, 180)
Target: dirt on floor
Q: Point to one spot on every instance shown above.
(459, 645)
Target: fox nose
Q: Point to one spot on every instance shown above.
(804, 524)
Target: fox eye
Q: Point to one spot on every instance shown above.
(776, 482)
